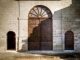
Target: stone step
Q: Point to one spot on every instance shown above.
(36, 58)
(27, 56)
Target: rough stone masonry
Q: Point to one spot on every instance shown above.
(14, 17)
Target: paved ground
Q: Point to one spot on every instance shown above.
(38, 56)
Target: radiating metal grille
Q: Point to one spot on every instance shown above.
(40, 12)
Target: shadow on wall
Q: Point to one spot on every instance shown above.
(70, 18)
(70, 21)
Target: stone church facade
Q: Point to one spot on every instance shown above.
(40, 25)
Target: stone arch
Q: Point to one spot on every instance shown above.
(39, 11)
(40, 28)
(11, 40)
(69, 40)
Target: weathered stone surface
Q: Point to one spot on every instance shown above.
(14, 17)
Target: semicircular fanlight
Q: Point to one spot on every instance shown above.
(40, 12)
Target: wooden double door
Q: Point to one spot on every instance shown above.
(40, 34)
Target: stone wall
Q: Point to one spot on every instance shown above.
(8, 21)
(56, 9)
(71, 21)
(14, 17)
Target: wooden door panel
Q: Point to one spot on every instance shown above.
(34, 35)
(33, 45)
(46, 45)
(69, 40)
(46, 39)
(46, 30)
(34, 39)
(40, 35)
(46, 35)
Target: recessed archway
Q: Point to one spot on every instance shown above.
(69, 40)
(11, 40)
(40, 28)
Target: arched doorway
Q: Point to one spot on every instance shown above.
(69, 40)
(40, 28)
(11, 40)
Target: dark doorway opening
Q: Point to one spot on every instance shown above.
(11, 40)
(69, 40)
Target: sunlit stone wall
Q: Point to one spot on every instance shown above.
(8, 21)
